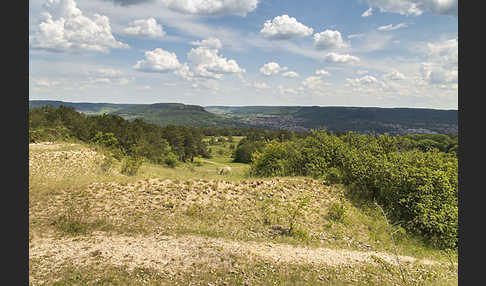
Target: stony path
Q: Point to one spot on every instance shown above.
(166, 253)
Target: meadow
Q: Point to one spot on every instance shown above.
(90, 224)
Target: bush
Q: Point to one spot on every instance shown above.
(277, 159)
(130, 165)
(198, 161)
(418, 189)
(107, 163)
(333, 175)
(337, 211)
(171, 160)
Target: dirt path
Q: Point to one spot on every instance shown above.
(166, 253)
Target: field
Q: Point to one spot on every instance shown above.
(190, 225)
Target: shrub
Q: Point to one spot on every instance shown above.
(130, 165)
(107, 163)
(277, 159)
(171, 160)
(418, 189)
(198, 161)
(337, 211)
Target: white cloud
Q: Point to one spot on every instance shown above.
(44, 82)
(286, 90)
(108, 75)
(212, 7)
(272, 68)
(365, 82)
(109, 72)
(260, 85)
(285, 27)
(313, 82)
(322, 72)
(416, 7)
(65, 28)
(290, 74)
(158, 60)
(329, 39)
(361, 72)
(212, 43)
(442, 66)
(145, 27)
(355, 36)
(390, 27)
(394, 75)
(340, 58)
(367, 13)
(206, 62)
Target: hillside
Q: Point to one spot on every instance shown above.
(162, 114)
(342, 119)
(191, 226)
(297, 118)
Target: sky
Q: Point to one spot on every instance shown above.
(375, 53)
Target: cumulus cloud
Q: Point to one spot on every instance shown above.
(206, 62)
(340, 58)
(367, 13)
(212, 43)
(392, 27)
(322, 72)
(129, 2)
(313, 82)
(394, 75)
(329, 39)
(65, 28)
(212, 7)
(290, 74)
(272, 68)
(285, 27)
(416, 7)
(442, 64)
(158, 60)
(365, 81)
(145, 27)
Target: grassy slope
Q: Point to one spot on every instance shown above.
(67, 188)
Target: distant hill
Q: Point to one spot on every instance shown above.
(159, 113)
(342, 119)
(298, 118)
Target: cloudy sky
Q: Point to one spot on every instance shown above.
(384, 53)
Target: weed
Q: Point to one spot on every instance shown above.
(131, 165)
(337, 211)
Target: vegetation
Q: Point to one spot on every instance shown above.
(417, 188)
(115, 201)
(343, 119)
(335, 119)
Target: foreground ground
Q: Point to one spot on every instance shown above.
(191, 226)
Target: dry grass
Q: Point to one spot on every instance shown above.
(72, 201)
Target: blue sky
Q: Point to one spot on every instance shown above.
(384, 53)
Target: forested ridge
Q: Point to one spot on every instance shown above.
(413, 177)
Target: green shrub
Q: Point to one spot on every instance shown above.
(337, 211)
(418, 189)
(171, 160)
(130, 165)
(198, 161)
